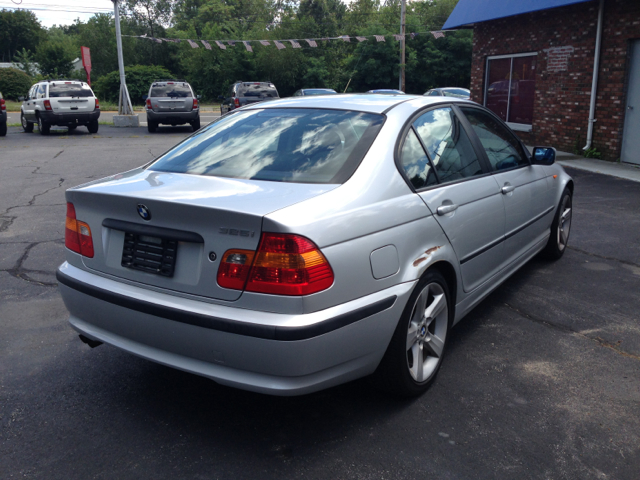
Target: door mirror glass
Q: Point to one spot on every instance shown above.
(21, 98)
(543, 155)
(220, 97)
(198, 97)
(144, 97)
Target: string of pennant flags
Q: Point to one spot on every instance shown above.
(280, 44)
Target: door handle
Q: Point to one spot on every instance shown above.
(444, 209)
(507, 189)
(629, 107)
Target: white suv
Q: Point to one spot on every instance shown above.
(66, 103)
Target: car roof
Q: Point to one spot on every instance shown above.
(359, 102)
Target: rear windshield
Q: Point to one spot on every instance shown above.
(281, 145)
(256, 90)
(69, 90)
(320, 91)
(171, 90)
(456, 92)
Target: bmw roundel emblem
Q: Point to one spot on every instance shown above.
(144, 212)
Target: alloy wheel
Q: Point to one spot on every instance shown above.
(427, 332)
(564, 223)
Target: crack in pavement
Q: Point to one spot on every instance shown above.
(603, 257)
(18, 271)
(7, 221)
(564, 329)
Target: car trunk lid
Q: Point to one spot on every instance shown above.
(192, 221)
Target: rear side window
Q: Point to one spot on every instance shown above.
(415, 163)
(171, 90)
(256, 90)
(282, 145)
(57, 90)
(448, 145)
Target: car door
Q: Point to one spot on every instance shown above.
(454, 182)
(524, 187)
(28, 107)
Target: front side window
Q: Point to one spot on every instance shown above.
(510, 88)
(503, 149)
(415, 163)
(448, 145)
(277, 144)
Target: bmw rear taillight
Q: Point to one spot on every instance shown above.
(148, 103)
(234, 268)
(97, 104)
(77, 235)
(3, 106)
(47, 105)
(284, 264)
(195, 103)
(236, 102)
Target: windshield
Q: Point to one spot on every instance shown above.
(69, 90)
(257, 90)
(282, 145)
(320, 91)
(171, 90)
(456, 92)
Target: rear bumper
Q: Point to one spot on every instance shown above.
(279, 354)
(173, 118)
(62, 119)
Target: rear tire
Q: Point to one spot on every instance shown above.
(414, 355)
(196, 124)
(3, 129)
(43, 126)
(560, 228)
(152, 126)
(26, 125)
(93, 126)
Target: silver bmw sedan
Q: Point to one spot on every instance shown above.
(302, 243)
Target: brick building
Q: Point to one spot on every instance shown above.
(533, 65)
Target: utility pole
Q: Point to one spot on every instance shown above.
(402, 44)
(124, 102)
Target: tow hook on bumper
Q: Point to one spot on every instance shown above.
(88, 341)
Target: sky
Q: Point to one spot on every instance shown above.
(60, 12)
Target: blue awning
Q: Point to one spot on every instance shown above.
(468, 12)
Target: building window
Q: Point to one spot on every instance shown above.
(510, 88)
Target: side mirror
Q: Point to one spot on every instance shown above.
(144, 97)
(220, 97)
(21, 98)
(198, 97)
(543, 155)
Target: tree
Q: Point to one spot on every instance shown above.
(55, 56)
(14, 83)
(19, 29)
(25, 61)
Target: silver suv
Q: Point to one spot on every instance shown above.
(65, 103)
(172, 102)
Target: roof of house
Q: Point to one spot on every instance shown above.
(468, 12)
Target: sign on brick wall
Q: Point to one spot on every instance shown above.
(558, 58)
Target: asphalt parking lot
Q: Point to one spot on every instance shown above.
(13, 118)
(542, 380)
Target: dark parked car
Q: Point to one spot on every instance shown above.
(244, 93)
(3, 117)
(303, 92)
(172, 102)
(387, 91)
(455, 92)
